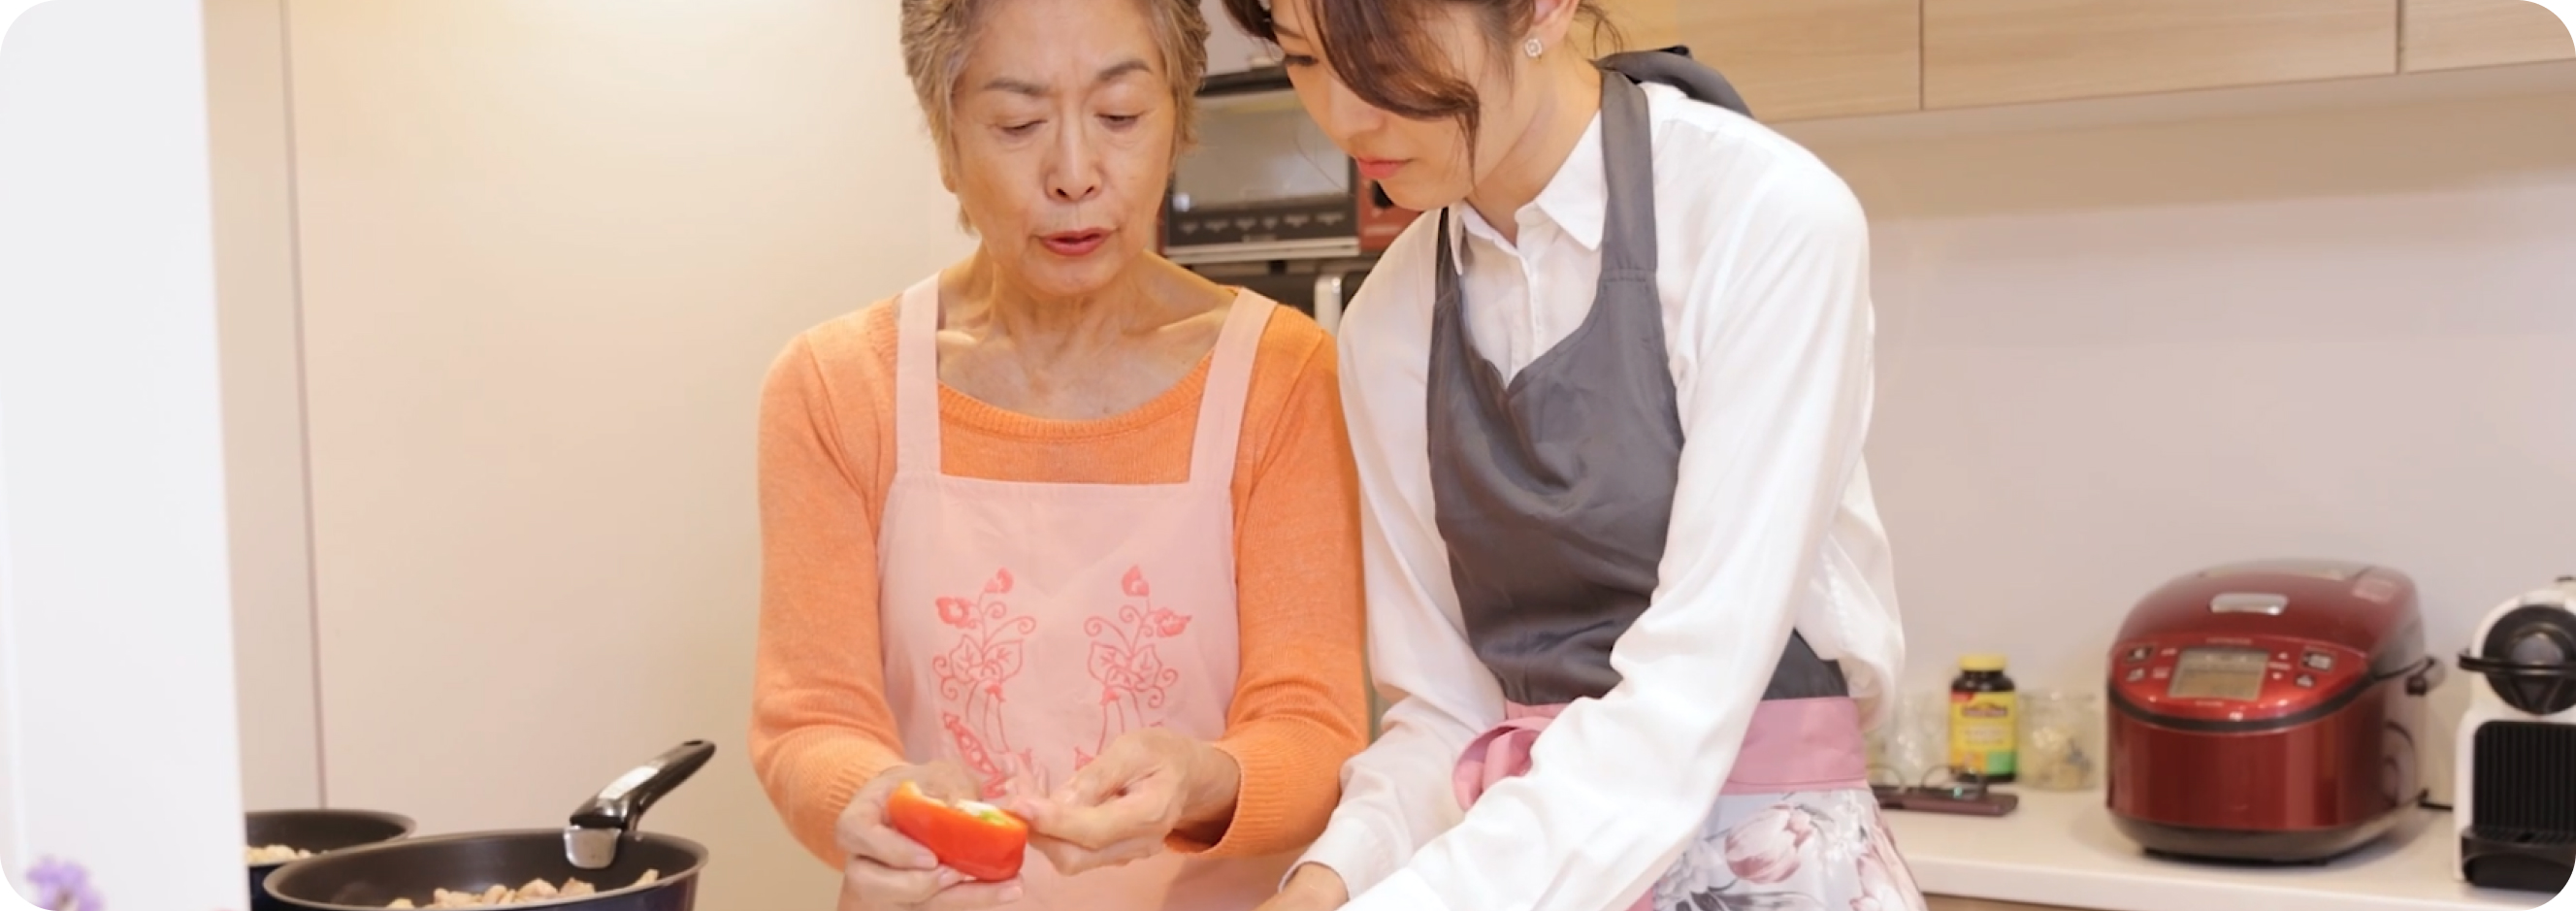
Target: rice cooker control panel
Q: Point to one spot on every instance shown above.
(2232, 678)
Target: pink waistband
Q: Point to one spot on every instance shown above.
(1792, 745)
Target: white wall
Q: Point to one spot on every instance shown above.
(263, 403)
(2117, 355)
(549, 248)
(117, 737)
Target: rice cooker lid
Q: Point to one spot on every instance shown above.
(2264, 645)
(2360, 607)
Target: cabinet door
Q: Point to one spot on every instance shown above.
(1646, 23)
(1985, 52)
(1805, 59)
(2455, 34)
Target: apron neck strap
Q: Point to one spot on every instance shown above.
(1628, 164)
(1673, 66)
(916, 379)
(1221, 404)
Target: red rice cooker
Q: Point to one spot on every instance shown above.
(2268, 711)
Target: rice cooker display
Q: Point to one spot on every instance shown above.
(2233, 679)
(2219, 673)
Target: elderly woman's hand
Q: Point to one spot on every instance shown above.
(1119, 809)
(888, 872)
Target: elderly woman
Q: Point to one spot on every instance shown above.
(1062, 523)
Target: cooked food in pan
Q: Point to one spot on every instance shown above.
(274, 854)
(536, 890)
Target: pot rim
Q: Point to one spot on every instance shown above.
(697, 862)
(408, 825)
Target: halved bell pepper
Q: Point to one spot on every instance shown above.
(977, 839)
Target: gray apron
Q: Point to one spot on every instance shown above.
(1554, 492)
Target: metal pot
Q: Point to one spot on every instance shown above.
(318, 831)
(602, 846)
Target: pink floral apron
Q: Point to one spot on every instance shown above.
(1028, 625)
(1796, 828)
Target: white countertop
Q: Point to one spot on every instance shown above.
(2061, 849)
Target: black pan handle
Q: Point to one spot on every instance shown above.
(621, 805)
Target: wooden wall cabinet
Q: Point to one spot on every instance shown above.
(1794, 59)
(1806, 59)
(2458, 34)
(1647, 23)
(1992, 52)
(1810, 59)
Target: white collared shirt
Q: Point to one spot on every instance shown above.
(1764, 280)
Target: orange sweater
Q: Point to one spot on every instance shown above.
(821, 727)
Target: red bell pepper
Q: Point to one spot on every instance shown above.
(976, 839)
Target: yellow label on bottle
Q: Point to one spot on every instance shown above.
(1984, 728)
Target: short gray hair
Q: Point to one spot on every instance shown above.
(938, 34)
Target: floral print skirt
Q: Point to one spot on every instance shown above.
(1811, 851)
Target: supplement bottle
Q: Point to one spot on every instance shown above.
(1985, 721)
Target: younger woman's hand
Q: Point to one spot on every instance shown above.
(1312, 887)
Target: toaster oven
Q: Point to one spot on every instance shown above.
(1266, 184)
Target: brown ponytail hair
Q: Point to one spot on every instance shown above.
(1383, 49)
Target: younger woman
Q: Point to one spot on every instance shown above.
(1607, 398)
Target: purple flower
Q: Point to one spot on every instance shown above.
(63, 886)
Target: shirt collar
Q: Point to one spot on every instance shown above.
(1575, 200)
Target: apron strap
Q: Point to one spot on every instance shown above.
(1221, 405)
(1628, 164)
(1673, 66)
(916, 379)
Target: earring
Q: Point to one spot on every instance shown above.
(1532, 48)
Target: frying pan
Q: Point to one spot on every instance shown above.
(603, 846)
(318, 831)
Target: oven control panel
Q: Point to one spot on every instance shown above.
(1289, 220)
(2232, 678)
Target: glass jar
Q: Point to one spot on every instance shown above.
(1913, 746)
(2061, 747)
